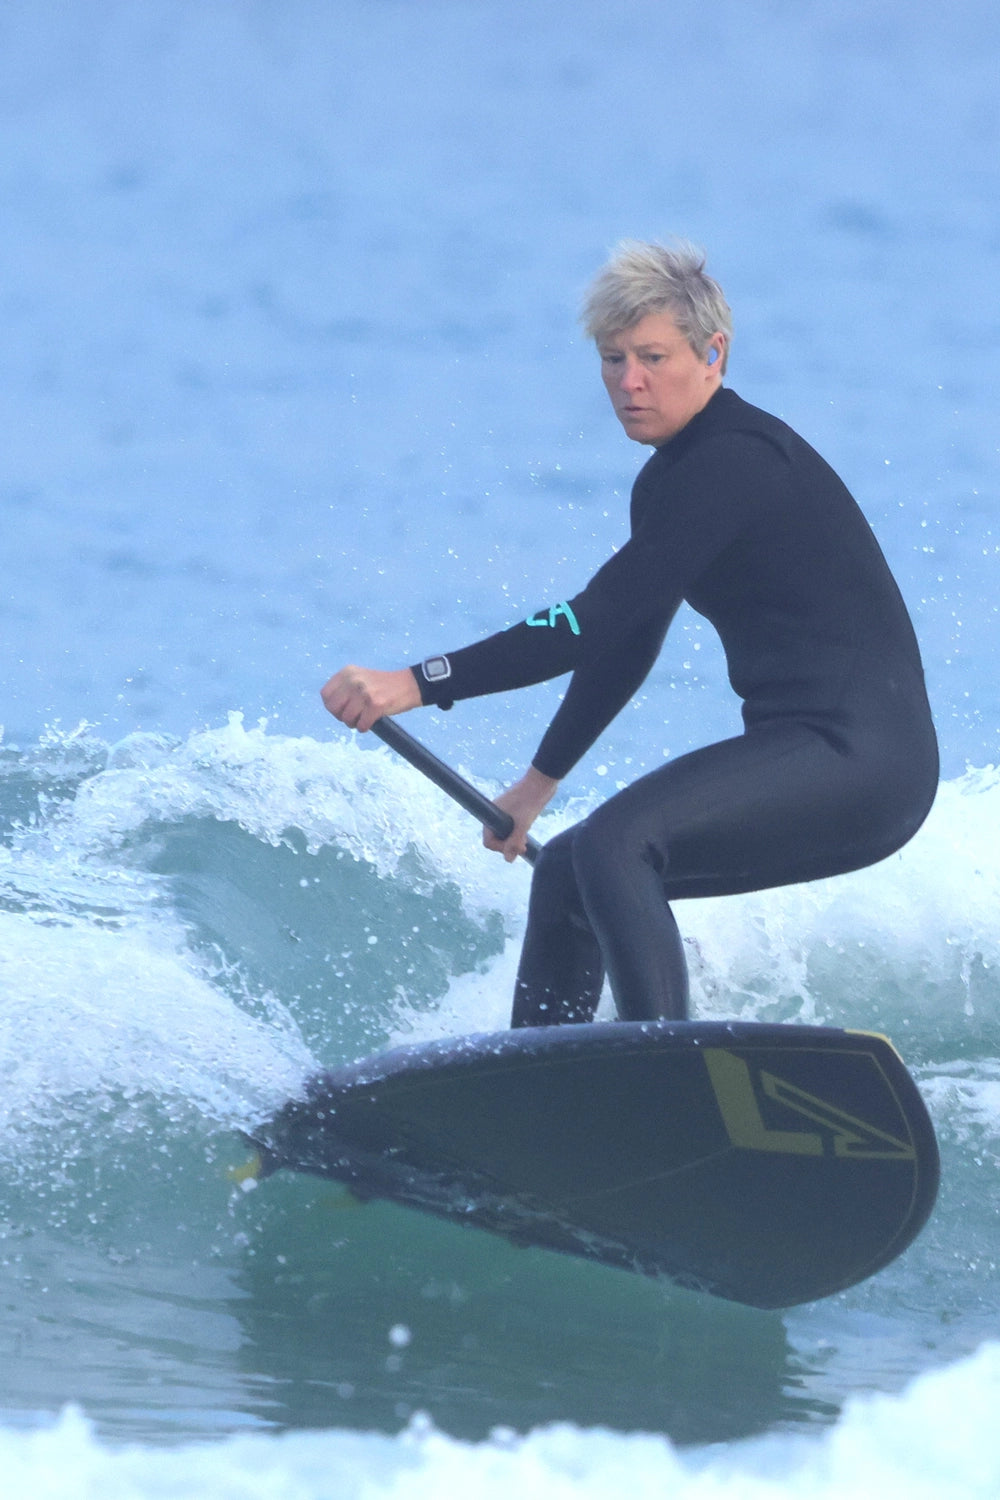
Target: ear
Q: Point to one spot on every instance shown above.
(716, 349)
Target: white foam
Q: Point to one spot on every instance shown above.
(933, 902)
(916, 932)
(937, 1441)
(339, 792)
(87, 1012)
(917, 929)
(965, 1099)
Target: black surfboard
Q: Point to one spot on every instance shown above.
(771, 1165)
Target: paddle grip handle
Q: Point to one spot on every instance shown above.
(457, 788)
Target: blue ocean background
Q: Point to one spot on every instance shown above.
(290, 375)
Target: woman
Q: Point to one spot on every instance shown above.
(734, 513)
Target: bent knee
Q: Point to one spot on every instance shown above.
(613, 837)
(554, 865)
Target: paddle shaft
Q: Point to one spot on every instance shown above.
(458, 789)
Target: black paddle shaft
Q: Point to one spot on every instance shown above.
(460, 790)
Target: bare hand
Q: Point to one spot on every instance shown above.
(358, 696)
(524, 801)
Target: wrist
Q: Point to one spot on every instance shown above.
(540, 780)
(537, 787)
(432, 681)
(407, 690)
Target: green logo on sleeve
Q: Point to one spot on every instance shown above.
(552, 618)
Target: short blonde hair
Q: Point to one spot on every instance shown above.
(644, 277)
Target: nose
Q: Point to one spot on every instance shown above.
(630, 374)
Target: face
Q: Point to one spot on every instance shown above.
(656, 381)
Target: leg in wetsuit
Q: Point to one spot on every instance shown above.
(779, 805)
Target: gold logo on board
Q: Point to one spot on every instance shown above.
(737, 1099)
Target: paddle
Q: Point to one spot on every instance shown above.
(460, 790)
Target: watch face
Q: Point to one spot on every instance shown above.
(436, 668)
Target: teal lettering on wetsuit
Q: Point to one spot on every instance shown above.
(556, 611)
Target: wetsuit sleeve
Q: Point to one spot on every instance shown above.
(598, 622)
(602, 683)
(597, 693)
(546, 645)
(692, 511)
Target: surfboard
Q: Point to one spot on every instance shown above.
(767, 1164)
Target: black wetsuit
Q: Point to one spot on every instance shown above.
(836, 769)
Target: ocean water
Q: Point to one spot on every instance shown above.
(290, 375)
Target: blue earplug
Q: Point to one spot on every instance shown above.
(713, 355)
